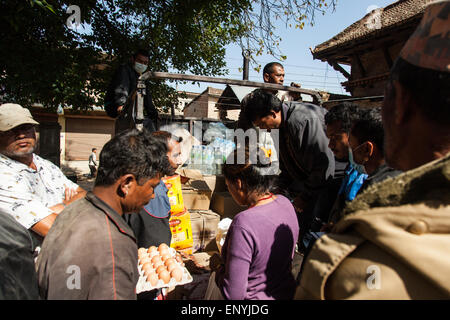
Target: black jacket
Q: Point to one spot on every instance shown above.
(18, 278)
(381, 173)
(303, 148)
(121, 87)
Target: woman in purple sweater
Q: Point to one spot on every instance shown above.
(259, 246)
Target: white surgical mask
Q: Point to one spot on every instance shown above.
(139, 67)
(358, 167)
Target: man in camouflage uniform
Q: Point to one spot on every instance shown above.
(394, 240)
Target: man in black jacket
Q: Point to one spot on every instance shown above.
(18, 278)
(121, 95)
(306, 162)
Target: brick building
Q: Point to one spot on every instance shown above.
(204, 105)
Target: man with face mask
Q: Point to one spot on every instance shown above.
(367, 165)
(348, 179)
(366, 141)
(121, 94)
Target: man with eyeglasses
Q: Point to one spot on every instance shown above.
(32, 190)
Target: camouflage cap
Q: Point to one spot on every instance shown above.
(429, 46)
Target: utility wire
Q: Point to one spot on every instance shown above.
(286, 65)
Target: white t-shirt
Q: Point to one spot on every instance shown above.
(26, 194)
(93, 159)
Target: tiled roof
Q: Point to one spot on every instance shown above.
(376, 22)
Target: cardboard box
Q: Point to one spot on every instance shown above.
(204, 229)
(216, 183)
(196, 199)
(224, 204)
(196, 192)
(190, 173)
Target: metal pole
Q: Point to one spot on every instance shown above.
(245, 83)
(246, 55)
(139, 120)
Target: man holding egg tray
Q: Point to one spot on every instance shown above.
(151, 224)
(91, 252)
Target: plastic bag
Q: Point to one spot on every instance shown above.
(222, 229)
(175, 195)
(353, 181)
(215, 130)
(181, 229)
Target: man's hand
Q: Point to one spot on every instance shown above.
(119, 109)
(71, 195)
(179, 258)
(45, 224)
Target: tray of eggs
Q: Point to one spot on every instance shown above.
(160, 267)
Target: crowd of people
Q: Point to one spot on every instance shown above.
(363, 194)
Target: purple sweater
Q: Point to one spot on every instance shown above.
(258, 252)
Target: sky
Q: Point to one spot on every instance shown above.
(300, 66)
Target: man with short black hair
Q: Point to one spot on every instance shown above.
(367, 164)
(367, 143)
(91, 252)
(151, 224)
(306, 162)
(121, 94)
(339, 120)
(273, 72)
